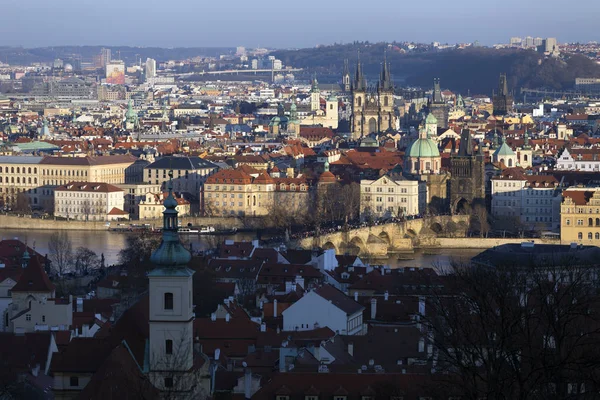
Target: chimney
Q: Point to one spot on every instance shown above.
(386, 295)
(227, 317)
(373, 308)
(79, 304)
(247, 384)
(351, 349)
(263, 327)
(355, 296)
(275, 308)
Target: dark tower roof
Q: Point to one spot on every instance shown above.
(171, 253)
(437, 91)
(385, 81)
(359, 79)
(465, 148)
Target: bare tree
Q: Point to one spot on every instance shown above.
(479, 220)
(61, 252)
(86, 209)
(22, 203)
(85, 260)
(517, 332)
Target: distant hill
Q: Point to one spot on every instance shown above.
(473, 70)
(24, 56)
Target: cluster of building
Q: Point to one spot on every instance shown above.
(244, 149)
(285, 323)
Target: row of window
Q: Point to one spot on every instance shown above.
(18, 180)
(580, 222)
(389, 199)
(590, 236)
(12, 170)
(390, 190)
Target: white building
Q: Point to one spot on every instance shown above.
(579, 159)
(534, 200)
(325, 307)
(150, 68)
(392, 196)
(89, 201)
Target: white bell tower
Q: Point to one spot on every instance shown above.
(171, 347)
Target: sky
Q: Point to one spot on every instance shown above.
(289, 24)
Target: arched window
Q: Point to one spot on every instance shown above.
(590, 236)
(510, 162)
(359, 101)
(29, 170)
(18, 170)
(385, 101)
(12, 170)
(18, 180)
(590, 222)
(168, 301)
(597, 236)
(580, 236)
(524, 157)
(597, 221)
(29, 180)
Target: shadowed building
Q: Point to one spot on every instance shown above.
(437, 105)
(503, 100)
(467, 185)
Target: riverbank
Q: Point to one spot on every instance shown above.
(478, 243)
(28, 223)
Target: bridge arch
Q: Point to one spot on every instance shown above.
(410, 233)
(358, 242)
(436, 227)
(385, 237)
(461, 206)
(329, 245)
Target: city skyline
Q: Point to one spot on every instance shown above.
(150, 23)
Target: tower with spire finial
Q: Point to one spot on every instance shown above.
(315, 95)
(437, 105)
(467, 185)
(372, 109)
(171, 313)
(503, 100)
(346, 80)
(131, 118)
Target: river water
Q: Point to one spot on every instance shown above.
(109, 243)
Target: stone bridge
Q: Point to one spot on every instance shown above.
(379, 240)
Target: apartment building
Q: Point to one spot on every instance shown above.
(89, 201)
(151, 206)
(240, 193)
(533, 200)
(189, 173)
(580, 216)
(392, 196)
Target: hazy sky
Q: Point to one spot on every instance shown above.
(300, 23)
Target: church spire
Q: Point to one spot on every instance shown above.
(170, 253)
(465, 148)
(503, 85)
(437, 91)
(359, 79)
(385, 81)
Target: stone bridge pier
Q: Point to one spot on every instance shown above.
(380, 240)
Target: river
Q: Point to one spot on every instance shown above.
(109, 244)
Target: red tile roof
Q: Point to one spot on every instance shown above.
(34, 279)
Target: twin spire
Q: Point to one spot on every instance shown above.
(385, 81)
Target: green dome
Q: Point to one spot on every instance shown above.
(504, 150)
(423, 148)
(431, 119)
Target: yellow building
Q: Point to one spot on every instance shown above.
(61, 170)
(19, 176)
(580, 216)
(152, 206)
(239, 193)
